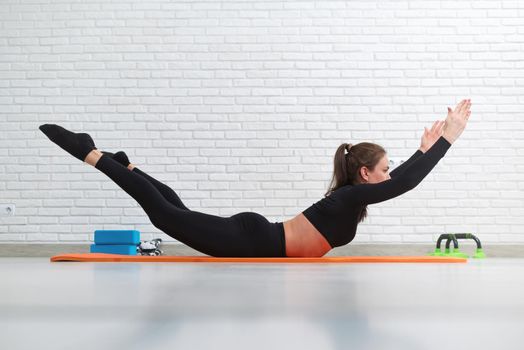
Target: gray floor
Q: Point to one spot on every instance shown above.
(478, 305)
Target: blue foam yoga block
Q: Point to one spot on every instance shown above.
(117, 237)
(123, 249)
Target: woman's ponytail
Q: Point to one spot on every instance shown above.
(340, 168)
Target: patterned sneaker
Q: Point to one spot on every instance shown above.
(150, 248)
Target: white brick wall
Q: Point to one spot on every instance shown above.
(240, 105)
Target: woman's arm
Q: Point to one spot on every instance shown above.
(365, 194)
(429, 137)
(374, 193)
(402, 167)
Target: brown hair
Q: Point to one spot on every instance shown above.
(347, 163)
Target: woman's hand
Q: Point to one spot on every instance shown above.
(431, 136)
(456, 121)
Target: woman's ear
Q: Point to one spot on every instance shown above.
(364, 173)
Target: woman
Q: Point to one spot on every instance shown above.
(360, 176)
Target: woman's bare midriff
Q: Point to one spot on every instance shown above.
(303, 239)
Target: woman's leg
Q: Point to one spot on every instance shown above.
(166, 191)
(122, 158)
(244, 234)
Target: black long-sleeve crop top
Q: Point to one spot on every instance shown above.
(336, 216)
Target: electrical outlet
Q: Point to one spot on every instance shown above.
(7, 209)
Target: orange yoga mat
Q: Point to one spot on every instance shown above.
(100, 257)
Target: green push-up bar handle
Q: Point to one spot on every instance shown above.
(479, 253)
(464, 236)
(455, 237)
(448, 236)
(438, 251)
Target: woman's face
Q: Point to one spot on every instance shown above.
(380, 172)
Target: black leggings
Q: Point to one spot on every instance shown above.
(246, 234)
